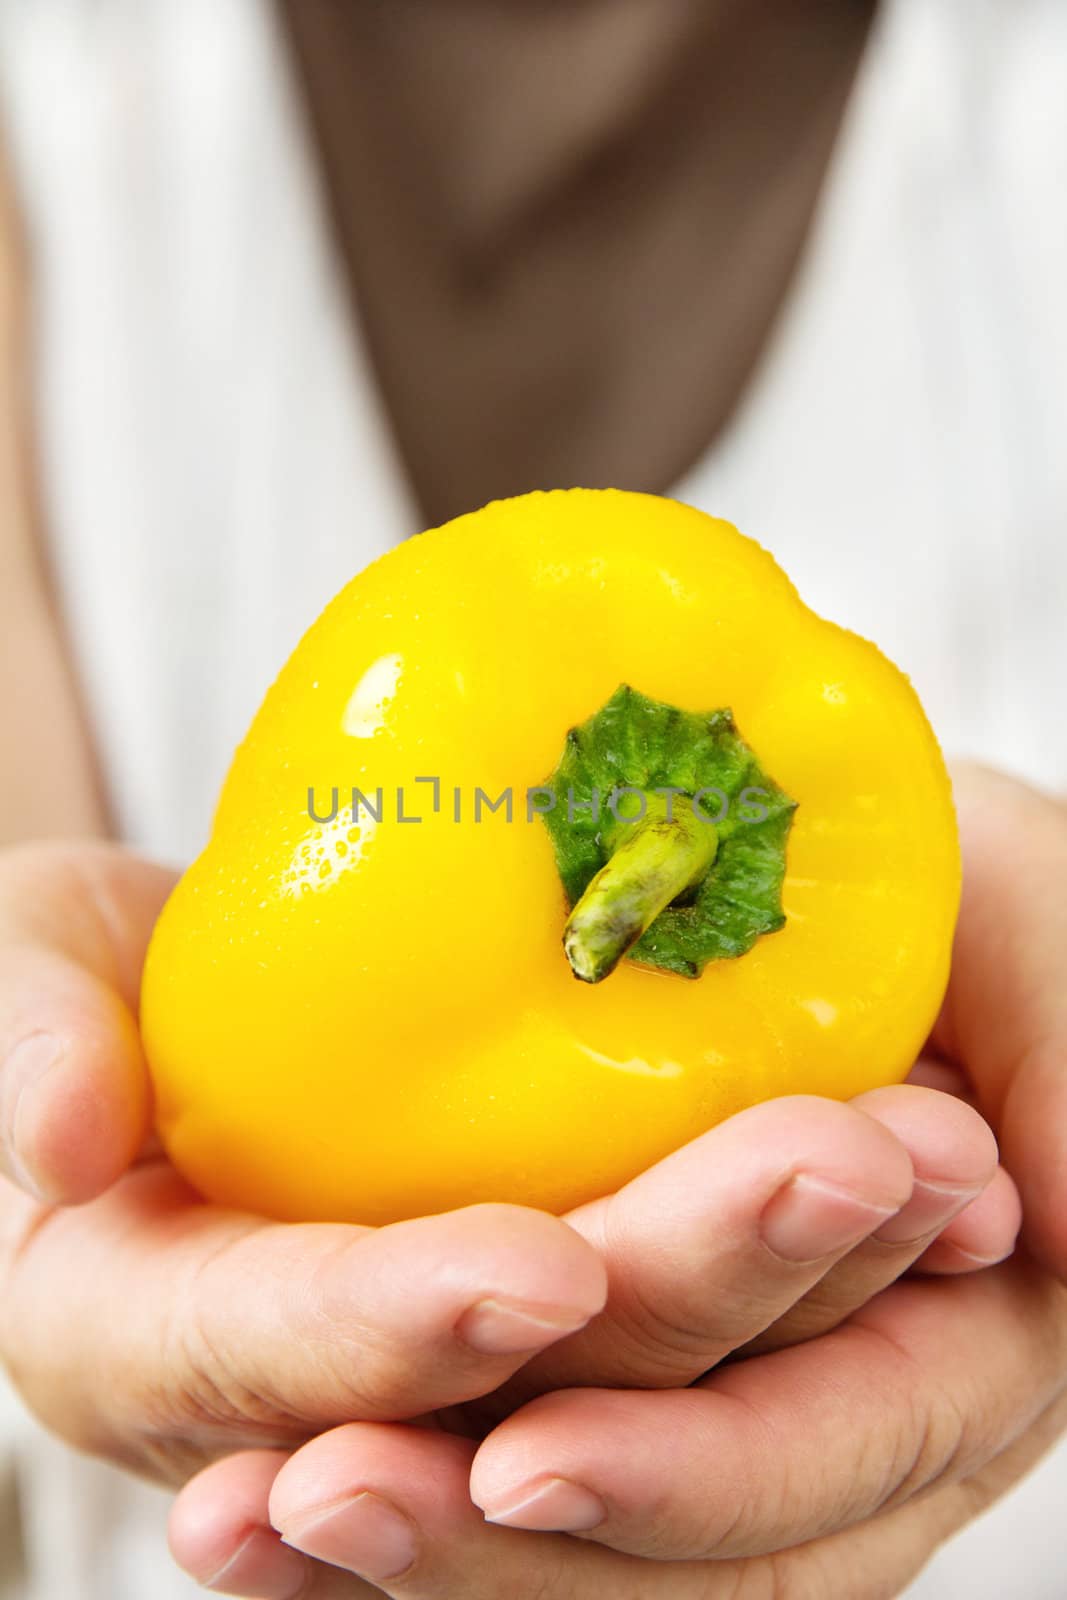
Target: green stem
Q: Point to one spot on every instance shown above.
(656, 860)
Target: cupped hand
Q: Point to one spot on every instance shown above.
(831, 1468)
(157, 1331)
(148, 1327)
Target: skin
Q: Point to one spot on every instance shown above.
(920, 1409)
(235, 1333)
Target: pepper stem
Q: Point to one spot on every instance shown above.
(658, 856)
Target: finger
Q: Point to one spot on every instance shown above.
(369, 1501)
(235, 1332)
(219, 1531)
(983, 1234)
(392, 1506)
(1005, 1014)
(718, 1240)
(372, 1504)
(74, 1102)
(924, 1385)
(954, 1158)
(929, 1072)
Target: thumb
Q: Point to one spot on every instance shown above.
(1005, 1014)
(74, 1103)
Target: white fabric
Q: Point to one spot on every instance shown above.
(214, 461)
(216, 466)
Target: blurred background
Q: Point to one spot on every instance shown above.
(287, 280)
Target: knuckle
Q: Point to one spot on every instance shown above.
(648, 1319)
(641, 1335)
(932, 1436)
(189, 1385)
(372, 1366)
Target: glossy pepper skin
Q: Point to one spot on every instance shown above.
(372, 1021)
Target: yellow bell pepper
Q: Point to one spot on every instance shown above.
(586, 734)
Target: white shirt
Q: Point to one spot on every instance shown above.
(215, 462)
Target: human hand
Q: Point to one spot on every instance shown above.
(224, 1524)
(213, 1350)
(157, 1331)
(833, 1468)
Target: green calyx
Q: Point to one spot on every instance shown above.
(670, 839)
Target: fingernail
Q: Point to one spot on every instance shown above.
(264, 1567)
(501, 1327)
(366, 1535)
(978, 1263)
(809, 1218)
(557, 1506)
(930, 1207)
(24, 1068)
